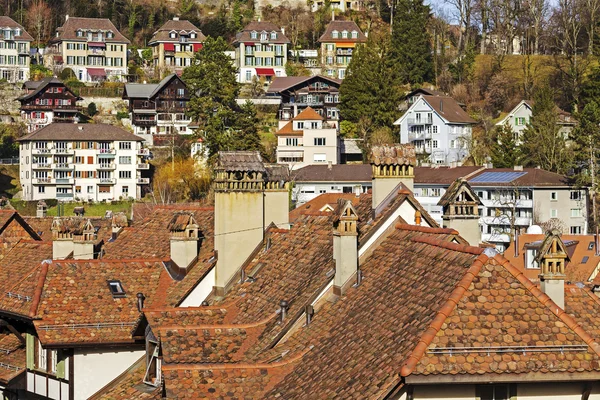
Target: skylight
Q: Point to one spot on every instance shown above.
(116, 289)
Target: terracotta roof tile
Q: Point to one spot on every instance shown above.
(260, 26)
(449, 109)
(341, 26)
(397, 154)
(12, 356)
(288, 129)
(69, 30)
(308, 114)
(162, 34)
(319, 202)
(66, 131)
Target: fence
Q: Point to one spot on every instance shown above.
(9, 161)
(89, 91)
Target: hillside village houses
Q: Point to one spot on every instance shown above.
(92, 162)
(261, 51)
(93, 48)
(47, 101)
(14, 51)
(293, 310)
(520, 116)
(174, 45)
(337, 44)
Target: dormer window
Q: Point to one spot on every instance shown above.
(17, 32)
(273, 35)
(253, 35)
(173, 35)
(79, 33)
(354, 35)
(335, 34)
(263, 36)
(193, 35)
(116, 289)
(109, 35)
(344, 34)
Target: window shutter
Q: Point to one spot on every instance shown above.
(30, 350)
(60, 365)
(516, 121)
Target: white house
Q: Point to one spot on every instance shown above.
(14, 51)
(82, 161)
(306, 140)
(520, 116)
(439, 129)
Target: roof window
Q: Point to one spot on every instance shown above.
(79, 33)
(173, 35)
(354, 35)
(116, 289)
(334, 34)
(345, 34)
(253, 35)
(273, 35)
(585, 259)
(591, 246)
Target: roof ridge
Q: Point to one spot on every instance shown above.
(112, 260)
(548, 302)
(463, 248)
(39, 289)
(446, 309)
(425, 229)
(219, 326)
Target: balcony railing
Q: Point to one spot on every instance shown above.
(64, 195)
(420, 121)
(62, 166)
(41, 151)
(46, 107)
(143, 181)
(106, 151)
(96, 52)
(143, 166)
(37, 120)
(107, 181)
(42, 166)
(423, 150)
(63, 181)
(144, 122)
(412, 136)
(42, 180)
(105, 166)
(342, 52)
(62, 151)
(143, 152)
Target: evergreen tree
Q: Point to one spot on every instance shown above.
(584, 141)
(544, 145)
(410, 50)
(505, 152)
(224, 125)
(591, 88)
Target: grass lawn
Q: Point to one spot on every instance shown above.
(91, 210)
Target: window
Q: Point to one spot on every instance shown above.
(77, 189)
(435, 192)
(172, 35)
(248, 75)
(520, 121)
(344, 34)
(434, 128)
(253, 35)
(319, 158)
(553, 213)
(575, 230)
(125, 190)
(575, 195)
(125, 174)
(300, 125)
(453, 144)
(319, 141)
(553, 196)
(125, 160)
(263, 36)
(434, 144)
(42, 357)
(273, 35)
(53, 361)
(41, 189)
(354, 35)
(334, 34)
(585, 259)
(116, 289)
(591, 246)
(575, 212)
(153, 374)
(124, 145)
(90, 189)
(314, 125)
(291, 141)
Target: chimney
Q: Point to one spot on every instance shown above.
(42, 209)
(140, 301)
(417, 217)
(345, 246)
(332, 15)
(460, 211)
(329, 165)
(84, 239)
(518, 168)
(62, 239)
(283, 307)
(184, 239)
(248, 197)
(119, 221)
(391, 166)
(551, 258)
(441, 105)
(175, 18)
(66, 17)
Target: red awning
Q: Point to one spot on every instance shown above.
(96, 72)
(197, 46)
(249, 44)
(58, 59)
(265, 72)
(169, 46)
(96, 44)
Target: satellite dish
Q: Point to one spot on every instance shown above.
(535, 230)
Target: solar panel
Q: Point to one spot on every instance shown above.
(497, 177)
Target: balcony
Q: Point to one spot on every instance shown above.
(42, 166)
(412, 136)
(107, 181)
(143, 166)
(343, 52)
(62, 151)
(419, 121)
(37, 120)
(144, 122)
(64, 195)
(143, 181)
(423, 150)
(23, 51)
(96, 52)
(42, 180)
(304, 104)
(63, 166)
(63, 181)
(495, 237)
(106, 151)
(507, 201)
(106, 166)
(143, 152)
(41, 151)
(49, 107)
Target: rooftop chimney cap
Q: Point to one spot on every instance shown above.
(140, 301)
(175, 18)
(283, 304)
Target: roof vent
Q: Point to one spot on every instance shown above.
(80, 127)
(309, 310)
(283, 307)
(441, 105)
(140, 301)
(175, 18)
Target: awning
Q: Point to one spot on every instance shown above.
(169, 46)
(96, 44)
(265, 72)
(345, 44)
(248, 44)
(100, 72)
(58, 59)
(197, 46)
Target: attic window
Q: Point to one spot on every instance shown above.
(273, 35)
(334, 34)
(79, 33)
(591, 246)
(354, 35)
(345, 34)
(585, 260)
(109, 35)
(172, 35)
(253, 34)
(116, 289)
(192, 35)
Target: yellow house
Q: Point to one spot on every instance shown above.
(337, 44)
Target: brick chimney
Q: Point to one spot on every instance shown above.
(42, 209)
(84, 239)
(552, 257)
(119, 221)
(248, 197)
(392, 165)
(345, 246)
(62, 239)
(74, 237)
(184, 239)
(460, 205)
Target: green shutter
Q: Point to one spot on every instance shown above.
(516, 121)
(60, 365)
(30, 350)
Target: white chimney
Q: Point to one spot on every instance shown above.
(175, 18)
(552, 258)
(184, 239)
(345, 247)
(392, 165)
(66, 17)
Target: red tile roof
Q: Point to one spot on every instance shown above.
(340, 26)
(12, 356)
(128, 386)
(449, 109)
(162, 34)
(308, 114)
(69, 30)
(288, 129)
(319, 202)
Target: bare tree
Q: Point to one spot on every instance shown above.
(537, 13)
(38, 17)
(592, 8)
(463, 12)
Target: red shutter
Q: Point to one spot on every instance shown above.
(42, 115)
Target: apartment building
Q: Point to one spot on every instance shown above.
(520, 116)
(261, 50)
(174, 45)
(158, 108)
(439, 129)
(337, 44)
(321, 93)
(48, 101)
(92, 47)
(306, 140)
(338, 5)
(14, 51)
(82, 161)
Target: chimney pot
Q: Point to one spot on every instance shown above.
(309, 311)
(329, 165)
(140, 301)
(283, 306)
(205, 303)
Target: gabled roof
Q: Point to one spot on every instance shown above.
(444, 106)
(41, 85)
(128, 385)
(147, 90)
(324, 202)
(162, 34)
(308, 114)
(93, 132)
(258, 27)
(288, 129)
(337, 173)
(564, 117)
(12, 357)
(457, 188)
(340, 26)
(240, 161)
(69, 30)
(7, 22)
(283, 83)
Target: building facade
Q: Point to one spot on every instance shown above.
(82, 161)
(261, 50)
(93, 48)
(321, 93)
(174, 45)
(439, 129)
(337, 44)
(307, 140)
(14, 51)
(48, 101)
(158, 109)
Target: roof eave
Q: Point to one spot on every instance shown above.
(415, 379)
